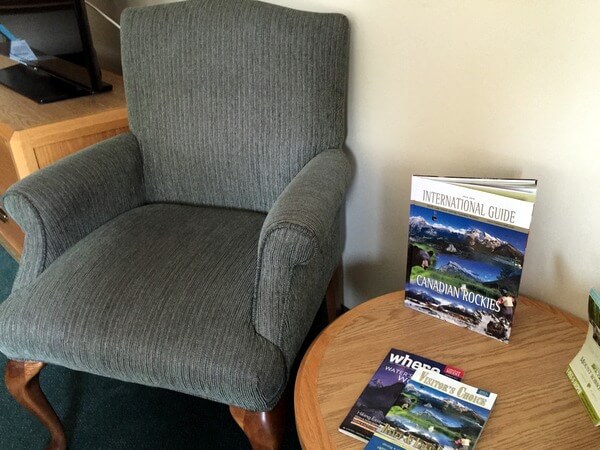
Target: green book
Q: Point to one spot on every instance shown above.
(584, 370)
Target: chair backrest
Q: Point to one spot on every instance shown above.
(229, 99)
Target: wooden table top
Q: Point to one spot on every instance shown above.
(18, 112)
(537, 407)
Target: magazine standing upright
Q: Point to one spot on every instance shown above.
(466, 248)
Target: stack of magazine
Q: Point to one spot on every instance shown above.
(584, 370)
(414, 403)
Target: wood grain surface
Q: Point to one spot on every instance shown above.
(537, 408)
(37, 147)
(49, 153)
(19, 113)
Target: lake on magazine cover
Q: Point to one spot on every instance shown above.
(459, 267)
(435, 416)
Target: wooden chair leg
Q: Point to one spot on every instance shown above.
(22, 381)
(263, 429)
(334, 295)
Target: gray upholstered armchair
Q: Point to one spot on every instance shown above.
(192, 253)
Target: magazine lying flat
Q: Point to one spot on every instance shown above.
(434, 413)
(385, 386)
(466, 248)
(584, 370)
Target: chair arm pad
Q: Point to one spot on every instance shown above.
(62, 203)
(300, 246)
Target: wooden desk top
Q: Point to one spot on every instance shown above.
(537, 408)
(19, 113)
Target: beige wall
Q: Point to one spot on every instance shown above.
(474, 88)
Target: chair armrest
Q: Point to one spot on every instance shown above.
(62, 203)
(299, 248)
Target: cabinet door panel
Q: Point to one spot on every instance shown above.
(49, 153)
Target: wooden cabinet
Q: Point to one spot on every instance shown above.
(33, 136)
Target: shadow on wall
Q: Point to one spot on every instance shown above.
(561, 274)
(106, 37)
(370, 278)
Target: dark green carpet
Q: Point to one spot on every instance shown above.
(101, 413)
(8, 270)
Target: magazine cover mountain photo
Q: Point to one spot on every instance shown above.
(385, 386)
(466, 249)
(434, 413)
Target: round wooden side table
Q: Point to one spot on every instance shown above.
(537, 408)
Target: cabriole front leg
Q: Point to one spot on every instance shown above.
(22, 381)
(264, 429)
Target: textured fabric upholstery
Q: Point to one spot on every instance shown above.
(301, 243)
(235, 100)
(193, 253)
(142, 300)
(61, 204)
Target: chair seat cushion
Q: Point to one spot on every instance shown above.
(160, 295)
